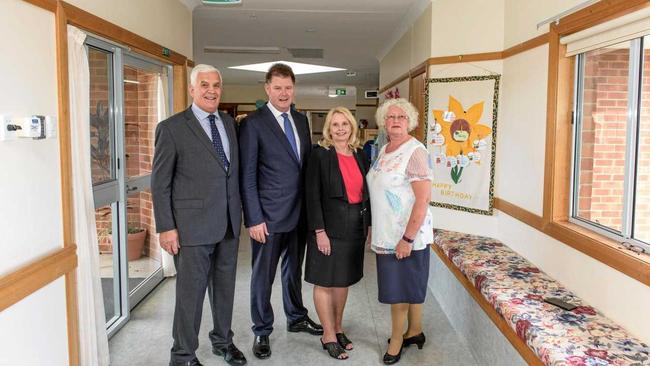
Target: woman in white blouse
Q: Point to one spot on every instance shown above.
(399, 183)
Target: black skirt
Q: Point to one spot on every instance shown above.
(344, 266)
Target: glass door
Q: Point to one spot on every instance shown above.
(145, 83)
(128, 97)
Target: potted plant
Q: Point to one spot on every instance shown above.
(135, 242)
(136, 237)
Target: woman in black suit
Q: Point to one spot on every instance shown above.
(338, 215)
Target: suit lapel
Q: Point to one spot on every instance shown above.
(272, 123)
(362, 169)
(198, 131)
(337, 186)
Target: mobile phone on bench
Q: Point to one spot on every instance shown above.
(560, 303)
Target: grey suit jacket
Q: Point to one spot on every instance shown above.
(192, 191)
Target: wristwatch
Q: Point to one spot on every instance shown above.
(407, 239)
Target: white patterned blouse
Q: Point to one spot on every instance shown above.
(392, 197)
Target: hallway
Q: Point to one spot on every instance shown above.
(146, 338)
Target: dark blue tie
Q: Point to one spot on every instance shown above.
(288, 131)
(216, 141)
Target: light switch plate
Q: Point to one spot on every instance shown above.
(5, 134)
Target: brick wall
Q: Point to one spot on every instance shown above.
(604, 129)
(140, 117)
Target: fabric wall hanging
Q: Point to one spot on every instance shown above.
(461, 130)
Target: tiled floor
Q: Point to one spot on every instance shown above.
(142, 267)
(146, 338)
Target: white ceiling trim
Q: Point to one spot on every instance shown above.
(405, 25)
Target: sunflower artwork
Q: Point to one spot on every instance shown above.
(462, 135)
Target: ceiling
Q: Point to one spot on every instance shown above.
(351, 33)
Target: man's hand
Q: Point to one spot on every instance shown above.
(169, 241)
(258, 232)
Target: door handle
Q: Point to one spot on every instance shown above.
(131, 189)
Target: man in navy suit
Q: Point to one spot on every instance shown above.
(274, 148)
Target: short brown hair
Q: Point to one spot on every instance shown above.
(281, 70)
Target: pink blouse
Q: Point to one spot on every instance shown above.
(352, 178)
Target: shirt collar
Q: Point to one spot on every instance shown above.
(201, 115)
(276, 112)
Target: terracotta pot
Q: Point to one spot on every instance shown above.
(135, 245)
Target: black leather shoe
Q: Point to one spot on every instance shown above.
(231, 354)
(306, 325)
(392, 359)
(194, 362)
(262, 347)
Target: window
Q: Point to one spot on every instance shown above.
(611, 139)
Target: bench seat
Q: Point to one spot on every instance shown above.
(515, 288)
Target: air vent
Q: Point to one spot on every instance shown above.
(247, 50)
(306, 52)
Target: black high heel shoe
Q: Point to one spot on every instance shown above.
(417, 340)
(392, 359)
(334, 350)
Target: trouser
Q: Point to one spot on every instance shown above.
(265, 262)
(199, 267)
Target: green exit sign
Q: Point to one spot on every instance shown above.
(341, 91)
(166, 52)
(221, 2)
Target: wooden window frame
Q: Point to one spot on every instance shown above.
(557, 174)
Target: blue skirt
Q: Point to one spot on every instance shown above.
(404, 280)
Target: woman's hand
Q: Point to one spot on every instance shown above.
(403, 249)
(323, 243)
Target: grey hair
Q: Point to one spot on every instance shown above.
(203, 68)
(406, 106)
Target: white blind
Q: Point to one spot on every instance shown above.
(629, 26)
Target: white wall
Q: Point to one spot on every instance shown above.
(483, 26)
(522, 130)
(30, 183)
(34, 331)
(468, 26)
(166, 22)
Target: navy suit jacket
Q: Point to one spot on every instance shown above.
(271, 176)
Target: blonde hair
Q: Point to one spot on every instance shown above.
(353, 140)
(402, 104)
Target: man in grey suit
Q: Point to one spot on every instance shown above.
(195, 188)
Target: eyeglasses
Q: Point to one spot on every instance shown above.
(400, 117)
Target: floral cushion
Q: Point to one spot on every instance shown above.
(515, 288)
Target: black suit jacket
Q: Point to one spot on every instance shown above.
(327, 199)
(272, 177)
(192, 191)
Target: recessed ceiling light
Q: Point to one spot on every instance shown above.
(242, 49)
(297, 67)
(310, 30)
(221, 2)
